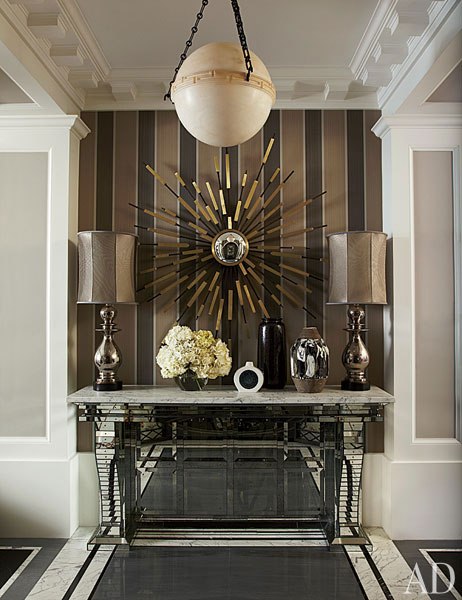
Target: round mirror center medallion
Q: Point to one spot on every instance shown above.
(230, 247)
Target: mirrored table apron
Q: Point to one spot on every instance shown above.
(229, 465)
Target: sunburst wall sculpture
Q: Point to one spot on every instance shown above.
(227, 245)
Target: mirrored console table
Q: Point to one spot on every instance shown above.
(225, 464)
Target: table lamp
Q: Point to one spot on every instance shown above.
(107, 276)
(356, 277)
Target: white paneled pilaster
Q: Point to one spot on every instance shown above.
(421, 477)
(39, 471)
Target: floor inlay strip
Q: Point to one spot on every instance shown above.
(393, 568)
(62, 572)
(365, 574)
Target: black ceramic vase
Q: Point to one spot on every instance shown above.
(272, 359)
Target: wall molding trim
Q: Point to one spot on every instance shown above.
(419, 121)
(71, 122)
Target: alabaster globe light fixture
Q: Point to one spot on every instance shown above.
(356, 277)
(107, 276)
(222, 92)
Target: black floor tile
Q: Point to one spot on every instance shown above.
(10, 561)
(223, 573)
(49, 548)
(410, 549)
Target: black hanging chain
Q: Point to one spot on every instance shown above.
(188, 45)
(242, 38)
(194, 29)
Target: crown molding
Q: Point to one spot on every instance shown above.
(17, 15)
(394, 29)
(297, 87)
(397, 32)
(73, 18)
(388, 123)
(423, 51)
(71, 123)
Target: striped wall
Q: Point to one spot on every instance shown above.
(328, 150)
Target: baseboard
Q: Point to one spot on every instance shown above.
(422, 500)
(38, 498)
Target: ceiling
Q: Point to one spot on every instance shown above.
(148, 33)
(110, 54)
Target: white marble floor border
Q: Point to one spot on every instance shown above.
(56, 582)
(425, 553)
(393, 568)
(364, 573)
(22, 566)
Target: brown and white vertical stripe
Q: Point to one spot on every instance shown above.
(328, 150)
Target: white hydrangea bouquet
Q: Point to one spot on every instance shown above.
(192, 354)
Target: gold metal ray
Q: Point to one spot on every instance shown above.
(291, 211)
(270, 181)
(219, 315)
(212, 195)
(196, 294)
(160, 279)
(249, 298)
(301, 231)
(180, 179)
(239, 292)
(212, 215)
(214, 280)
(199, 251)
(175, 283)
(214, 299)
(230, 305)
(237, 211)
(290, 296)
(295, 270)
(172, 245)
(197, 279)
(222, 201)
(228, 171)
(263, 307)
(257, 278)
(250, 194)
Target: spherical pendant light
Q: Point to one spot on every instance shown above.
(213, 99)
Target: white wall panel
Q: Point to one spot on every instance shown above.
(23, 276)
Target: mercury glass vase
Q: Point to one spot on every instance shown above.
(309, 361)
(190, 382)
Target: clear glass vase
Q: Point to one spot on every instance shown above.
(190, 382)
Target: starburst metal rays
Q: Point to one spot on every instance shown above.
(228, 253)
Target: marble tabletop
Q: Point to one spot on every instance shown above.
(227, 395)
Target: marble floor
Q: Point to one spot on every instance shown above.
(221, 570)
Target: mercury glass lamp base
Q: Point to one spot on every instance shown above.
(107, 387)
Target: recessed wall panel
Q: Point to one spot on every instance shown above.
(434, 294)
(23, 242)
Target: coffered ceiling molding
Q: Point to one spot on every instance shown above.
(47, 25)
(84, 51)
(63, 42)
(386, 43)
